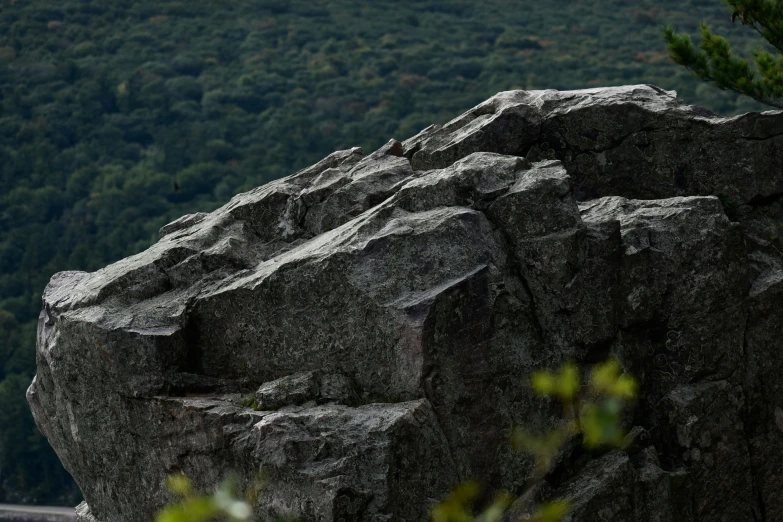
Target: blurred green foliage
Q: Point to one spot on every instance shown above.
(223, 504)
(592, 411)
(458, 506)
(118, 117)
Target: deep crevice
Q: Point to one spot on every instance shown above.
(746, 416)
(193, 362)
(578, 151)
(515, 270)
(427, 378)
(749, 138)
(760, 200)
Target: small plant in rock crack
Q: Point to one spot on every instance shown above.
(249, 402)
(729, 206)
(592, 412)
(776, 235)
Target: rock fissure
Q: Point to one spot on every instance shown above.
(760, 515)
(770, 137)
(614, 145)
(428, 395)
(516, 273)
(763, 201)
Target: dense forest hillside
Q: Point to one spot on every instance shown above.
(117, 117)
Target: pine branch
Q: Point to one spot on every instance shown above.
(715, 63)
(766, 13)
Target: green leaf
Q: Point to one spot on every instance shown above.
(180, 484)
(604, 375)
(601, 423)
(552, 511)
(625, 387)
(499, 506)
(544, 447)
(458, 505)
(193, 509)
(605, 379)
(544, 383)
(564, 385)
(568, 382)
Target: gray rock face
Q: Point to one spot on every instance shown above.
(365, 329)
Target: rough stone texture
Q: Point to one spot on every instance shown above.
(364, 330)
(301, 388)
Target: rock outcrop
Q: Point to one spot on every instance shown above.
(364, 330)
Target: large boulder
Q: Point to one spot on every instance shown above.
(364, 330)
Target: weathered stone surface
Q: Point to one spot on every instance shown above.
(365, 329)
(83, 512)
(706, 433)
(300, 388)
(636, 141)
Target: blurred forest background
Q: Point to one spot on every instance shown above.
(118, 117)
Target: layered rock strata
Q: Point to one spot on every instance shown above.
(365, 329)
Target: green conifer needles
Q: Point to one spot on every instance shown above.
(716, 63)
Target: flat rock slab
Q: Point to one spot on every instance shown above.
(363, 331)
